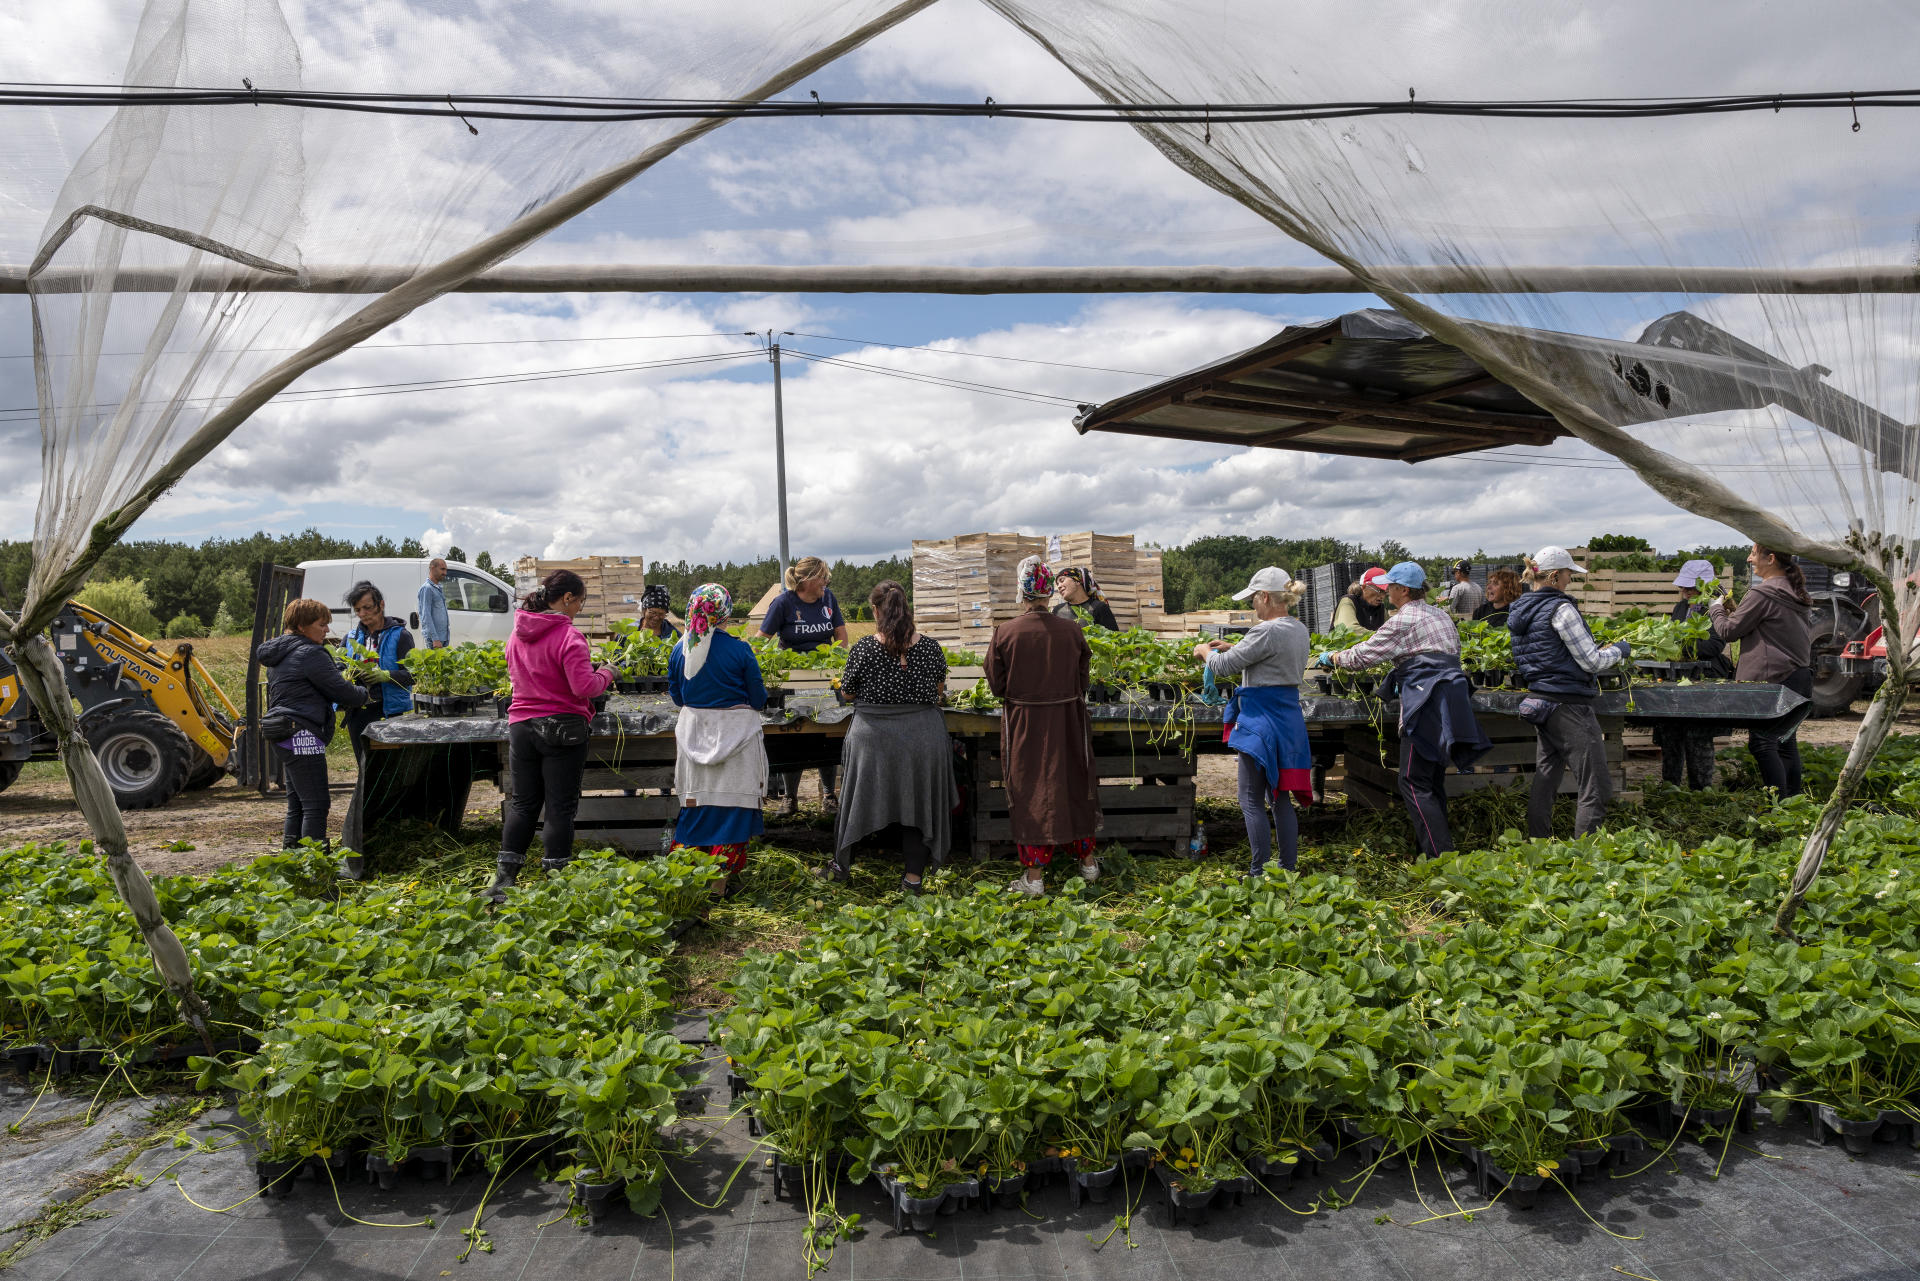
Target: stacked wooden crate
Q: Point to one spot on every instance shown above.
(964, 586)
(1115, 563)
(1146, 796)
(1604, 593)
(614, 586)
(1373, 762)
(1153, 590)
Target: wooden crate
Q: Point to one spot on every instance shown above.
(1606, 593)
(1373, 763)
(614, 585)
(1154, 817)
(965, 586)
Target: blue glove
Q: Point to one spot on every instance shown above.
(1626, 652)
(1325, 660)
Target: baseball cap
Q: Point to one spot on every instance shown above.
(1694, 573)
(1550, 558)
(1270, 579)
(1372, 577)
(1462, 567)
(1407, 574)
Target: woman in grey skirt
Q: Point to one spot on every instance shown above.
(897, 762)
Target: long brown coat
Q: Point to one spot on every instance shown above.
(1038, 664)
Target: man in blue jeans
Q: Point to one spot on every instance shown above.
(434, 625)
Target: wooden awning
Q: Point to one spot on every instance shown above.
(1369, 384)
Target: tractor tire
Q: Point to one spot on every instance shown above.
(1834, 691)
(203, 772)
(145, 756)
(9, 770)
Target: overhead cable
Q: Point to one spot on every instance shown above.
(568, 108)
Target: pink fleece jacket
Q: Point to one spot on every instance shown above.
(551, 669)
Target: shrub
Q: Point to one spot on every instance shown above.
(186, 627)
(125, 601)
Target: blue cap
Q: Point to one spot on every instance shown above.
(1407, 574)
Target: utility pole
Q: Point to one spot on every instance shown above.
(779, 453)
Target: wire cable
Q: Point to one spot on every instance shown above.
(386, 346)
(360, 390)
(980, 355)
(955, 384)
(596, 110)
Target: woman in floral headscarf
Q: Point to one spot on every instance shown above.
(720, 762)
(1079, 592)
(1038, 664)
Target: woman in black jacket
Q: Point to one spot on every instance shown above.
(303, 686)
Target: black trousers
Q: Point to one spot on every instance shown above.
(914, 850)
(1423, 786)
(307, 799)
(1777, 755)
(1686, 756)
(544, 777)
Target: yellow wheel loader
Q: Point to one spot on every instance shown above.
(157, 722)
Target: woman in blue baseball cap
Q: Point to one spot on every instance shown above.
(1437, 727)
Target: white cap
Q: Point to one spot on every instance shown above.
(1694, 573)
(1270, 579)
(1550, 558)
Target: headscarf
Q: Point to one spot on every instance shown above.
(1036, 580)
(655, 597)
(710, 604)
(1084, 577)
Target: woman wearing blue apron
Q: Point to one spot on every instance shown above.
(1264, 723)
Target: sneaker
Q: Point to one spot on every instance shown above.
(1089, 870)
(1032, 889)
(915, 888)
(834, 873)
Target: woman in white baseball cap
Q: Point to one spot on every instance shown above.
(1686, 754)
(1263, 719)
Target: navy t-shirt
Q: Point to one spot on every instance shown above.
(803, 627)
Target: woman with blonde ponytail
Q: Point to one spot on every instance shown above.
(804, 618)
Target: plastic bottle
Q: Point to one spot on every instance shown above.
(1197, 847)
(666, 839)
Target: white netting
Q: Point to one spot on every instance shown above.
(137, 383)
(1787, 416)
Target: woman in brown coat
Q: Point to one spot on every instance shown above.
(1038, 664)
(1776, 645)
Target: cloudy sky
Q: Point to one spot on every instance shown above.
(944, 415)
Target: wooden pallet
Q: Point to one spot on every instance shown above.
(1146, 817)
(1373, 763)
(607, 816)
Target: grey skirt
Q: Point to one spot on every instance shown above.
(897, 767)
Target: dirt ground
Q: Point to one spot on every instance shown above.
(226, 822)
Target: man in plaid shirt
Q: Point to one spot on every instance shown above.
(1437, 727)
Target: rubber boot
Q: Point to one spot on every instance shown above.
(504, 879)
(352, 867)
(552, 865)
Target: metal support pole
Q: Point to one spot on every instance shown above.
(779, 455)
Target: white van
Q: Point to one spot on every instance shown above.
(479, 606)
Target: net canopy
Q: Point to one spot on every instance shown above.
(136, 386)
(1785, 415)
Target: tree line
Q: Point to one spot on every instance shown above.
(178, 589)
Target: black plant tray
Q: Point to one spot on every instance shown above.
(1655, 669)
(1521, 1189)
(642, 684)
(1194, 1207)
(1092, 1185)
(598, 1198)
(438, 705)
(916, 1213)
(428, 1162)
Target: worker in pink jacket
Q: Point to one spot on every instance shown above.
(554, 685)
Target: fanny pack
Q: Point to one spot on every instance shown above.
(276, 725)
(1535, 711)
(564, 730)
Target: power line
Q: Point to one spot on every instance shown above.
(362, 390)
(935, 380)
(383, 346)
(596, 110)
(980, 355)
